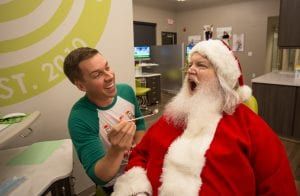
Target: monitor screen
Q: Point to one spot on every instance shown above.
(142, 52)
(188, 49)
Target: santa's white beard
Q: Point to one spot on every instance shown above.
(185, 159)
(197, 108)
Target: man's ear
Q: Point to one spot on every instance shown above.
(80, 85)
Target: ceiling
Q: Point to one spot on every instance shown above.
(183, 6)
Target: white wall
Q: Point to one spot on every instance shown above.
(116, 44)
(117, 41)
(248, 17)
(154, 15)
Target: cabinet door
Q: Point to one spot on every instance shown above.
(276, 106)
(296, 131)
(154, 95)
(289, 28)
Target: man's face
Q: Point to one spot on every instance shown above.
(98, 79)
(200, 70)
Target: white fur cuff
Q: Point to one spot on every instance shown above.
(133, 181)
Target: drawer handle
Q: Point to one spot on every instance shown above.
(27, 134)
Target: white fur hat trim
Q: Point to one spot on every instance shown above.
(244, 92)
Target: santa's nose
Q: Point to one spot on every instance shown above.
(191, 70)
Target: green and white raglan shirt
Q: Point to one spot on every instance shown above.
(88, 125)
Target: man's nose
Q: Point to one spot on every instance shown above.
(108, 75)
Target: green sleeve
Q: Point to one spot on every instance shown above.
(84, 133)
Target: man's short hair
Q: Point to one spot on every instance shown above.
(74, 58)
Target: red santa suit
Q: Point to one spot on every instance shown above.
(230, 156)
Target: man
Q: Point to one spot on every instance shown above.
(98, 122)
(207, 142)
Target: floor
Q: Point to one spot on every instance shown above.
(165, 98)
(293, 152)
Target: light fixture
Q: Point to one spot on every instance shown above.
(180, 0)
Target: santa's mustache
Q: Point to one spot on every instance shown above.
(192, 78)
(205, 99)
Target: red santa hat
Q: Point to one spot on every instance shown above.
(226, 65)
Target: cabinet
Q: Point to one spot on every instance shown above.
(279, 106)
(278, 98)
(296, 126)
(152, 81)
(153, 96)
(289, 28)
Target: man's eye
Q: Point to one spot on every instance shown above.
(107, 68)
(97, 74)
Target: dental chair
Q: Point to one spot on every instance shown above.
(252, 104)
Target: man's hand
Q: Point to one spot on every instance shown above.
(121, 138)
(121, 135)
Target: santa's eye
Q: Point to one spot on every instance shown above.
(201, 65)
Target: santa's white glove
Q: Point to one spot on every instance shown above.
(134, 182)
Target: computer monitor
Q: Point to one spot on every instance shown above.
(188, 49)
(142, 52)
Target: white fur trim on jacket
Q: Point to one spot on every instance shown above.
(133, 181)
(185, 159)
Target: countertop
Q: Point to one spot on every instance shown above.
(39, 176)
(147, 64)
(279, 78)
(16, 129)
(145, 75)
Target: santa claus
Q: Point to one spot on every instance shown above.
(207, 142)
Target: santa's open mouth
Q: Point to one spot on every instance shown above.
(193, 85)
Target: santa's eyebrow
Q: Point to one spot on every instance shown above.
(202, 62)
